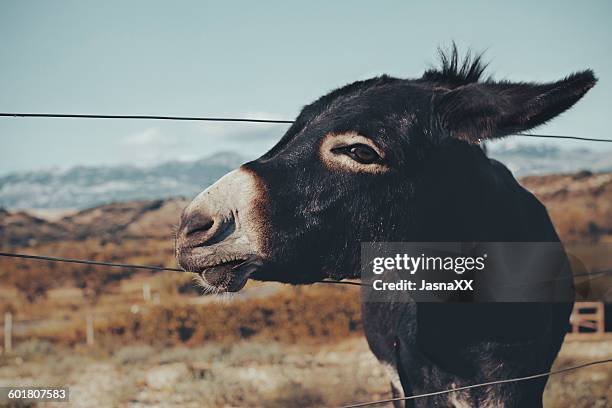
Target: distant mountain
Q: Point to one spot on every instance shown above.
(84, 186)
(539, 159)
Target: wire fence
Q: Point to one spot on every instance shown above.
(486, 384)
(231, 119)
(164, 268)
(280, 121)
(124, 265)
(90, 341)
(89, 332)
(146, 117)
(89, 328)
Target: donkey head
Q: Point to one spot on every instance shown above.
(366, 162)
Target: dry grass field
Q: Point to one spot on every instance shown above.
(253, 373)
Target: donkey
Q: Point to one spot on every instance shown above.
(397, 160)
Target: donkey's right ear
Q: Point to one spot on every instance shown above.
(494, 109)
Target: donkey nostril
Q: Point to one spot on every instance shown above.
(198, 224)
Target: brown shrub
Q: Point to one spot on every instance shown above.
(290, 316)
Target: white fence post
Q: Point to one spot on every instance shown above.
(146, 292)
(8, 332)
(90, 330)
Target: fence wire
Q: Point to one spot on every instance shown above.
(125, 265)
(486, 384)
(164, 268)
(231, 119)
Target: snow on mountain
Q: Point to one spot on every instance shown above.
(84, 186)
(538, 159)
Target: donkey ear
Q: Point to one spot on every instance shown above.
(488, 110)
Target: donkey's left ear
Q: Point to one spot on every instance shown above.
(493, 109)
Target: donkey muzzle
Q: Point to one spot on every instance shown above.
(221, 231)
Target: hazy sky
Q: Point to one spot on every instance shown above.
(259, 59)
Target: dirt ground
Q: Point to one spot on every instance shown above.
(254, 374)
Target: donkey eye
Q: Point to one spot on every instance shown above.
(361, 153)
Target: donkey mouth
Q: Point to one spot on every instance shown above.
(219, 269)
(221, 276)
(227, 276)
